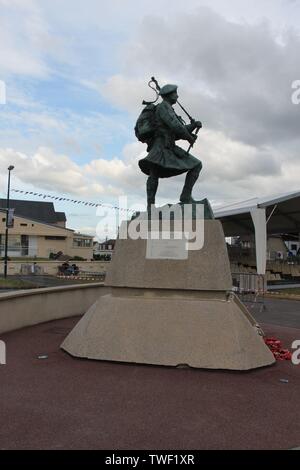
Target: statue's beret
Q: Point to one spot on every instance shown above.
(166, 89)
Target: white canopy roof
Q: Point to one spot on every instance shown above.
(282, 214)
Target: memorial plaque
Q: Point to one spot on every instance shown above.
(162, 248)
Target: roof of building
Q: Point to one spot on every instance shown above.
(37, 210)
(85, 235)
(58, 227)
(282, 214)
(111, 241)
(61, 216)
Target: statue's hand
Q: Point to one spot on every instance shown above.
(192, 139)
(198, 124)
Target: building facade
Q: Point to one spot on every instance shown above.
(39, 231)
(104, 250)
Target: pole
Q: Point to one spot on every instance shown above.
(6, 229)
(158, 90)
(191, 145)
(153, 80)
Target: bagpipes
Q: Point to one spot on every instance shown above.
(157, 90)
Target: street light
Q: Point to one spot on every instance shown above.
(10, 168)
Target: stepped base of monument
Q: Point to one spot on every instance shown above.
(207, 329)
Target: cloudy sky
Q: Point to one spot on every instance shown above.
(76, 72)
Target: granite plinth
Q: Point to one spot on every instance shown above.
(169, 329)
(205, 269)
(171, 311)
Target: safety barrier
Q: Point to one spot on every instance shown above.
(250, 287)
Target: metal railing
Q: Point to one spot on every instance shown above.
(250, 287)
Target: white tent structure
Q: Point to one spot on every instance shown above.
(279, 214)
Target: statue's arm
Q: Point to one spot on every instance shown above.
(190, 127)
(169, 117)
(194, 125)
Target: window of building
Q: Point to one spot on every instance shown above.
(4, 219)
(246, 244)
(23, 225)
(293, 247)
(24, 245)
(14, 244)
(82, 242)
(50, 237)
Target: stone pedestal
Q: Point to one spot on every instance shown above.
(171, 311)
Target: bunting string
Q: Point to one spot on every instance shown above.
(73, 201)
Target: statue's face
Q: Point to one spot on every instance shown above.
(172, 97)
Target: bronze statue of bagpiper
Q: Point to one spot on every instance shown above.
(159, 126)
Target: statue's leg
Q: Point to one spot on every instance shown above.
(190, 180)
(152, 185)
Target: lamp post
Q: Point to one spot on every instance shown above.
(10, 168)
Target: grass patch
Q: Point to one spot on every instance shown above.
(290, 290)
(27, 260)
(16, 284)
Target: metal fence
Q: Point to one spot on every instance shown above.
(250, 287)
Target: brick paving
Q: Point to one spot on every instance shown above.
(67, 403)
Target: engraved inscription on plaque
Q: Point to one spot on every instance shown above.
(167, 249)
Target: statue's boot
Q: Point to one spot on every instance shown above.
(190, 180)
(152, 185)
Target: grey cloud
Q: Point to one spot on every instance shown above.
(245, 72)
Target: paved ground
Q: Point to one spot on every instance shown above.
(277, 312)
(67, 403)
